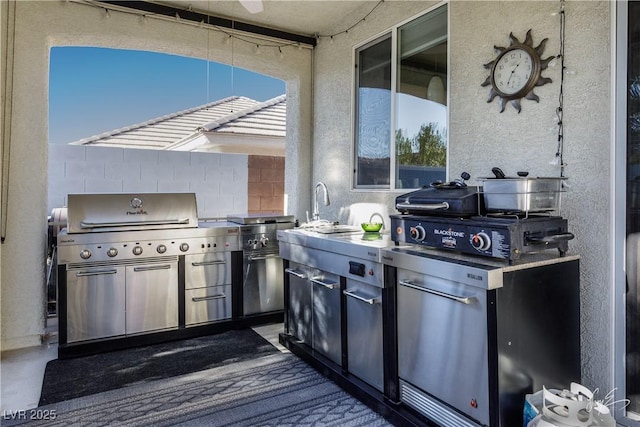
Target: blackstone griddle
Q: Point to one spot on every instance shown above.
(452, 216)
(441, 200)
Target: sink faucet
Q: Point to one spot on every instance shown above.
(316, 213)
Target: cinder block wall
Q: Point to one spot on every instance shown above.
(266, 184)
(219, 180)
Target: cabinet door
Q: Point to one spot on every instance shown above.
(152, 297)
(364, 332)
(327, 338)
(95, 303)
(299, 302)
(262, 286)
(445, 352)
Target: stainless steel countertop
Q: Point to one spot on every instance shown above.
(356, 244)
(380, 248)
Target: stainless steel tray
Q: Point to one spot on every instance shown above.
(523, 194)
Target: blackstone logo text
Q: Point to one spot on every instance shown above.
(448, 233)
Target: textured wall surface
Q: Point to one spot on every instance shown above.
(40, 25)
(219, 180)
(481, 137)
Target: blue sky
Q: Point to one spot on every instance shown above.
(94, 90)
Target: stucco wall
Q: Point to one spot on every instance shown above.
(481, 137)
(40, 25)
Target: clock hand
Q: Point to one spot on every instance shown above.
(512, 71)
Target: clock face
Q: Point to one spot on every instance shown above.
(513, 71)
(516, 72)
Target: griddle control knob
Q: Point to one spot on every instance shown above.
(111, 252)
(417, 233)
(85, 254)
(161, 249)
(264, 241)
(137, 250)
(481, 241)
(184, 247)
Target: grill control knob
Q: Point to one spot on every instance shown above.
(161, 249)
(184, 247)
(481, 241)
(85, 254)
(111, 252)
(137, 250)
(417, 233)
(264, 241)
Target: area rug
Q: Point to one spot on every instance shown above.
(274, 390)
(71, 378)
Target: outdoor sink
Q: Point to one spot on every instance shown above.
(338, 228)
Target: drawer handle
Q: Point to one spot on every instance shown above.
(352, 294)
(207, 298)
(295, 273)
(95, 273)
(328, 285)
(463, 300)
(200, 264)
(153, 267)
(263, 257)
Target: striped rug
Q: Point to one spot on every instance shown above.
(274, 390)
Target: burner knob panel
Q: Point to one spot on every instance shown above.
(161, 249)
(481, 241)
(137, 250)
(417, 233)
(85, 254)
(111, 252)
(184, 247)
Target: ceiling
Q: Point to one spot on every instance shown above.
(304, 17)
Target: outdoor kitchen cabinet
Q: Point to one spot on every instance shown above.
(88, 316)
(151, 297)
(300, 304)
(314, 310)
(208, 288)
(337, 286)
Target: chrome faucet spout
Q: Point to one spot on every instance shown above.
(316, 212)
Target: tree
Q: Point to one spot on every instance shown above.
(427, 148)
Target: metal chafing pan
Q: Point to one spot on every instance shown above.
(522, 194)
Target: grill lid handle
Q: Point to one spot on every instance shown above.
(421, 206)
(177, 221)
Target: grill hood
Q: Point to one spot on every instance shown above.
(92, 213)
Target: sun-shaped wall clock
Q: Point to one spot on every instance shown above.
(516, 71)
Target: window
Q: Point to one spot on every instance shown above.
(401, 106)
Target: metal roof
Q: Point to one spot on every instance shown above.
(162, 132)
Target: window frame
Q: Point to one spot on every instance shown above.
(379, 37)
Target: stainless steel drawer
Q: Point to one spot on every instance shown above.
(207, 304)
(204, 270)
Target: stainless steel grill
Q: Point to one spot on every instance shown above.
(262, 279)
(126, 260)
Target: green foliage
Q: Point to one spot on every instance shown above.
(427, 148)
